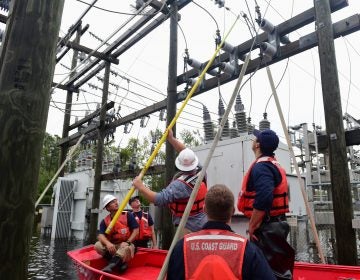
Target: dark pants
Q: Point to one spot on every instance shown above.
(141, 243)
(272, 236)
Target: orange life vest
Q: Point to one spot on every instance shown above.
(145, 231)
(280, 204)
(178, 206)
(120, 231)
(214, 254)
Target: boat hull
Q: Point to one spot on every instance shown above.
(146, 265)
(148, 262)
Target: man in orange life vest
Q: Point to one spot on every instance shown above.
(177, 193)
(146, 224)
(264, 200)
(116, 246)
(216, 252)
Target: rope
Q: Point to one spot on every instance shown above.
(302, 187)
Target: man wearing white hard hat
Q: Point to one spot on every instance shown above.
(116, 246)
(177, 193)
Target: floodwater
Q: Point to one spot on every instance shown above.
(48, 259)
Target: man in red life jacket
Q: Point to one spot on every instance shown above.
(146, 225)
(116, 246)
(264, 200)
(177, 193)
(216, 252)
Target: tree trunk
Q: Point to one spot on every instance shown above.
(27, 64)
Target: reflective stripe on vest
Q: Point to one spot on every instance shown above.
(228, 247)
(120, 231)
(280, 204)
(178, 206)
(145, 231)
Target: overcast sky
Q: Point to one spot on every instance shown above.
(146, 65)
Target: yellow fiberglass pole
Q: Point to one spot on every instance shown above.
(172, 123)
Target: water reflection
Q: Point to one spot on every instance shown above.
(48, 259)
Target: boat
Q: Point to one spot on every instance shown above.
(147, 264)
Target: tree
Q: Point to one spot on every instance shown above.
(48, 165)
(190, 138)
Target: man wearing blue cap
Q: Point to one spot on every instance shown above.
(264, 200)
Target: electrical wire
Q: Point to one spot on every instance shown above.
(105, 41)
(132, 78)
(121, 13)
(217, 26)
(289, 100)
(251, 18)
(183, 34)
(282, 77)
(248, 24)
(314, 91)
(74, 104)
(350, 68)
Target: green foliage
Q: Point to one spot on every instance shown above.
(137, 150)
(48, 165)
(190, 138)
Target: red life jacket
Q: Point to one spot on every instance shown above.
(120, 231)
(178, 206)
(145, 231)
(280, 204)
(214, 254)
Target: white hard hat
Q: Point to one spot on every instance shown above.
(186, 160)
(108, 198)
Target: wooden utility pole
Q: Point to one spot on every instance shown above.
(27, 65)
(168, 229)
(99, 158)
(339, 170)
(69, 96)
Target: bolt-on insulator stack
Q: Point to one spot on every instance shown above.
(208, 125)
(117, 164)
(89, 159)
(133, 163)
(264, 123)
(162, 115)
(250, 126)
(153, 140)
(105, 164)
(234, 131)
(240, 115)
(110, 164)
(225, 133)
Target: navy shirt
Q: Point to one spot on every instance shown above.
(131, 223)
(139, 214)
(255, 266)
(264, 177)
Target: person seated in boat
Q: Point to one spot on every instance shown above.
(117, 247)
(177, 193)
(146, 225)
(216, 252)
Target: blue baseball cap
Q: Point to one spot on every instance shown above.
(268, 140)
(132, 199)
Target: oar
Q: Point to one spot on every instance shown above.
(172, 123)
